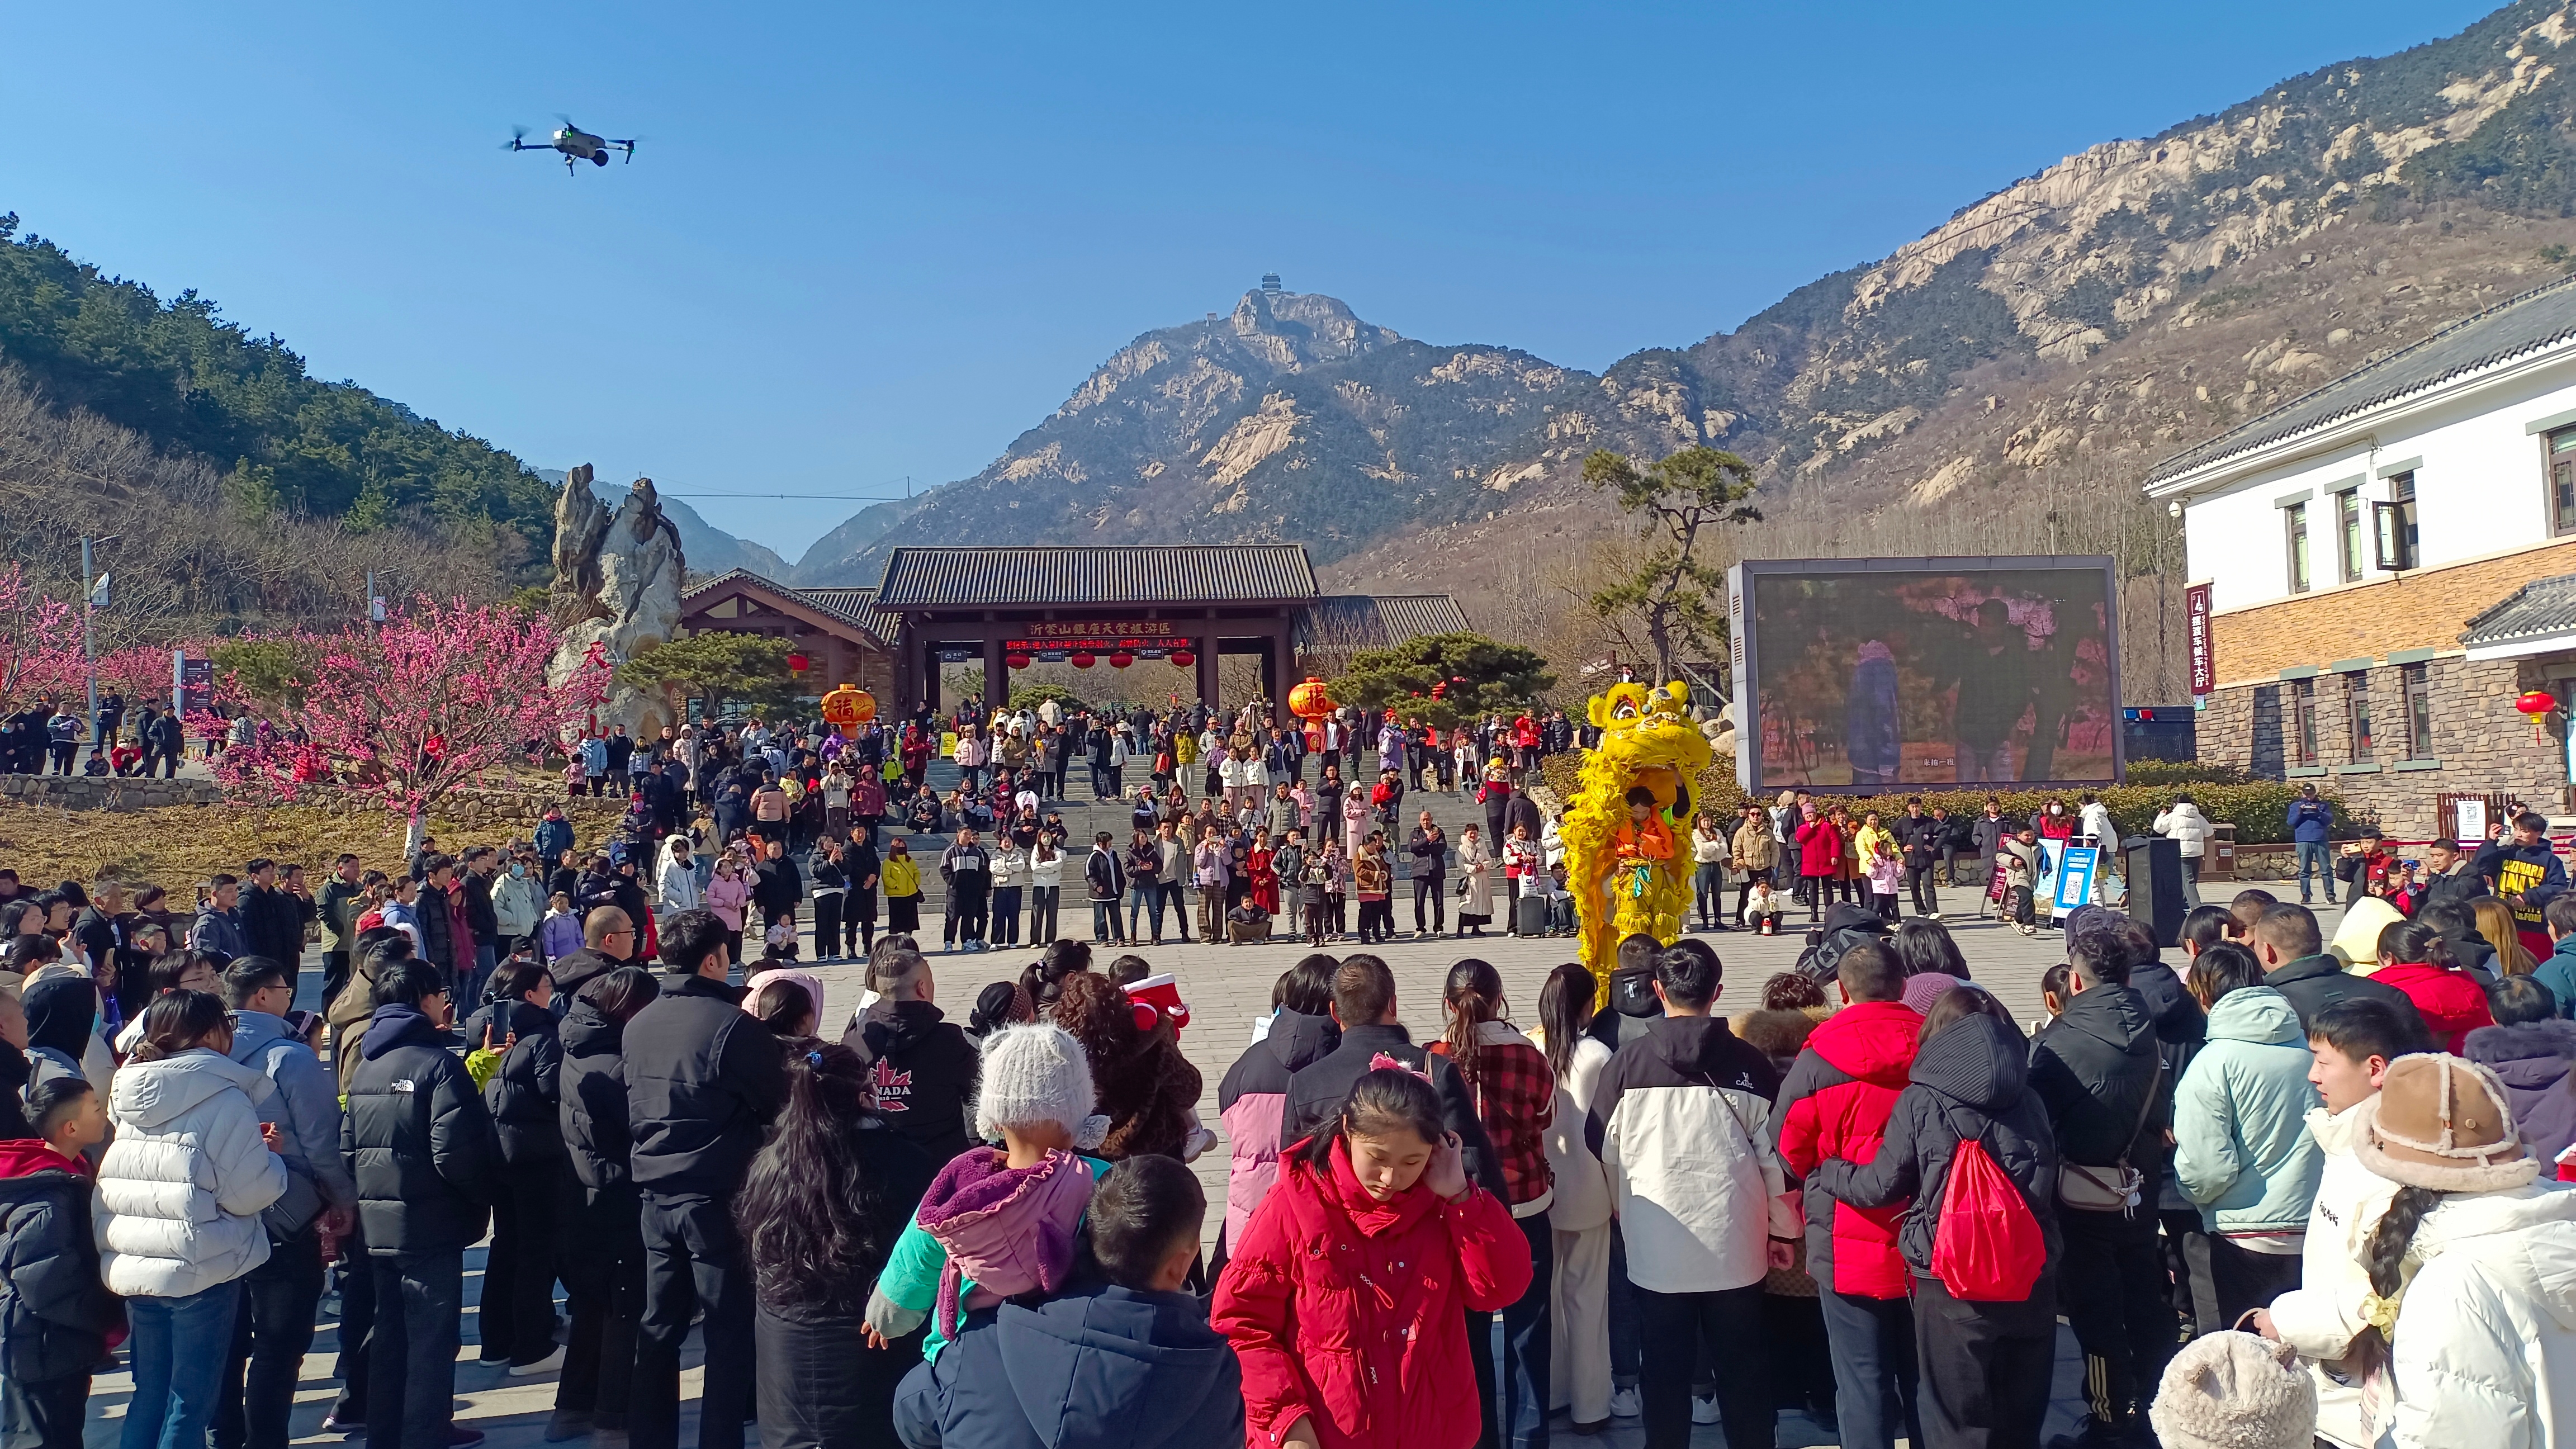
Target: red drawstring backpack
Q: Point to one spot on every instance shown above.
(1987, 1248)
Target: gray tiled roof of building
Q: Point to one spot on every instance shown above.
(2533, 320)
(1211, 573)
(1338, 623)
(2541, 607)
(856, 607)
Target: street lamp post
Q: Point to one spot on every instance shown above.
(93, 597)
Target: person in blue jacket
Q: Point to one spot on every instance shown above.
(1123, 1357)
(2311, 825)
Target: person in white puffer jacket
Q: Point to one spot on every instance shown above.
(2482, 1336)
(178, 1206)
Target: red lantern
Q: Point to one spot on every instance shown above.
(1121, 659)
(1082, 661)
(797, 663)
(1440, 690)
(1016, 661)
(2536, 703)
(1309, 700)
(1184, 658)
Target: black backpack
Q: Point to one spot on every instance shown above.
(1845, 926)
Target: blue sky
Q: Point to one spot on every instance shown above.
(861, 242)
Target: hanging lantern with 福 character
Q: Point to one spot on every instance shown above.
(847, 708)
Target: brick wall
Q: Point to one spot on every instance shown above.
(2481, 743)
(2419, 611)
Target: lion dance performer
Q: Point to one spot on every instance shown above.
(1620, 827)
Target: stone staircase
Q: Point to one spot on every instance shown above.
(1085, 814)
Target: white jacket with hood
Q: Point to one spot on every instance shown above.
(2321, 1315)
(183, 1184)
(2485, 1349)
(2188, 827)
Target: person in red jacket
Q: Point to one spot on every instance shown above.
(1835, 1103)
(2415, 959)
(1820, 857)
(1347, 1300)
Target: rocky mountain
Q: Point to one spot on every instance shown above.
(2050, 339)
(707, 548)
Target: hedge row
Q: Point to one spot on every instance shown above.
(2260, 809)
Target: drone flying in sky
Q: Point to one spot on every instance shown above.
(573, 142)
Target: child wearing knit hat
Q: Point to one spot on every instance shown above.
(2235, 1391)
(999, 1222)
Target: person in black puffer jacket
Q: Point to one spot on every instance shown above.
(428, 1165)
(517, 1316)
(55, 1311)
(2099, 1066)
(603, 1261)
(1985, 1366)
(703, 1081)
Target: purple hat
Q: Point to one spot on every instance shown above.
(1921, 991)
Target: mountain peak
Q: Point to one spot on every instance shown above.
(1293, 331)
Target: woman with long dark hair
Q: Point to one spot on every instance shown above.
(1579, 1222)
(1045, 977)
(603, 1262)
(819, 1211)
(1515, 1094)
(2414, 958)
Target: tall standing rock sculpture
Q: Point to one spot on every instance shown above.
(617, 584)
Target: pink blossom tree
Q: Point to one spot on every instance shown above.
(429, 702)
(40, 654)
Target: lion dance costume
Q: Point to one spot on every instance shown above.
(1623, 877)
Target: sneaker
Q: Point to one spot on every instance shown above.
(1624, 1404)
(567, 1424)
(549, 1364)
(332, 1423)
(1704, 1411)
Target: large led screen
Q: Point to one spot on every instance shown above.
(1874, 674)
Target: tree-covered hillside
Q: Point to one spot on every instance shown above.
(191, 382)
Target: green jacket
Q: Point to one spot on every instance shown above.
(2242, 1149)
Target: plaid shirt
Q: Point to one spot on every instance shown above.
(1516, 1100)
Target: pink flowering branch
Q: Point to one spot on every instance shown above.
(411, 710)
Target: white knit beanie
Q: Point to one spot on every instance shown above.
(2235, 1391)
(1037, 1073)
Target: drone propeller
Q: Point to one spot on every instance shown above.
(518, 136)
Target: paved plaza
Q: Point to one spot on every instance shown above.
(1226, 986)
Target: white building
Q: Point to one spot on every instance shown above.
(2368, 547)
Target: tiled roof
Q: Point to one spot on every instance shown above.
(855, 607)
(2537, 609)
(2534, 320)
(917, 578)
(1340, 623)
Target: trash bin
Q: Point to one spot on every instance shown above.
(2221, 864)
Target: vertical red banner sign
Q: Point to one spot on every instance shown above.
(2204, 662)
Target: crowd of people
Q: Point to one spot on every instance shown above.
(2278, 1187)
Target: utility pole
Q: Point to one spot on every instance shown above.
(93, 597)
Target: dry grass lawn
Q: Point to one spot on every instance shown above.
(174, 846)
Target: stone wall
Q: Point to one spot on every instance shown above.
(2479, 743)
(107, 792)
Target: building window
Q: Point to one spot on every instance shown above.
(2348, 534)
(2356, 707)
(2419, 710)
(2562, 481)
(2295, 518)
(2303, 722)
(2394, 524)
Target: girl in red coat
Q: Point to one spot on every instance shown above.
(1347, 1301)
(2414, 958)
